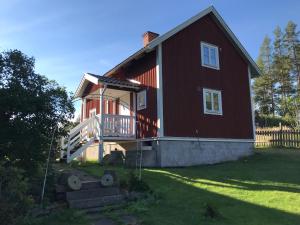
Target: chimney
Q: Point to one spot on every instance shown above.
(148, 37)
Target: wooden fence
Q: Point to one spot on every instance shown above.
(277, 137)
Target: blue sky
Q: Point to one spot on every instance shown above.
(71, 37)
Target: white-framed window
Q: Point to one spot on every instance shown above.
(142, 100)
(210, 56)
(212, 102)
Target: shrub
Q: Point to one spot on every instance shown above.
(211, 211)
(135, 184)
(14, 202)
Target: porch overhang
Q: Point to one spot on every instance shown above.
(109, 82)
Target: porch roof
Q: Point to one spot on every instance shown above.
(110, 82)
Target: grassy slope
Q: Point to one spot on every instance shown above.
(263, 189)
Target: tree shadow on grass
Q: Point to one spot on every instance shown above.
(186, 191)
(237, 184)
(258, 172)
(185, 204)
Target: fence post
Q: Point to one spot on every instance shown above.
(281, 136)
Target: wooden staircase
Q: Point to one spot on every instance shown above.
(80, 138)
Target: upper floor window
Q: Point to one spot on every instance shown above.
(141, 100)
(212, 101)
(209, 56)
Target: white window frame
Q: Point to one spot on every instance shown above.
(144, 92)
(210, 46)
(212, 112)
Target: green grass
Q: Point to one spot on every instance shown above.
(259, 190)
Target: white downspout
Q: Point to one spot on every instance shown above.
(159, 82)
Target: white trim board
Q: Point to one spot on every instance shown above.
(159, 94)
(117, 139)
(252, 108)
(167, 138)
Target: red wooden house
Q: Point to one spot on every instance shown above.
(183, 99)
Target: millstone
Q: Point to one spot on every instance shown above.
(74, 182)
(107, 180)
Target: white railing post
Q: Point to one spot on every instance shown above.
(68, 148)
(101, 147)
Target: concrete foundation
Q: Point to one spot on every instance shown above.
(149, 158)
(178, 153)
(191, 153)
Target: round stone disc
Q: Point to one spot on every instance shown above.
(74, 182)
(107, 180)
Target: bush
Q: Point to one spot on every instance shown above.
(211, 211)
(14, 202)
(135, 184)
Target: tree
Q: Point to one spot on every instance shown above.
(281, 68)
(31, 108)
(292, 42)
(264, 86)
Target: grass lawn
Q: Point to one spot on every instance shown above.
(259, 190)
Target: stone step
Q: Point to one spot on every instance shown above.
(101, 209)
(92, 193)
(96, 202)
(90, 185)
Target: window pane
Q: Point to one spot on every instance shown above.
(216, 102)
(208, 101)
(213, 60)
(141, 99)
(206, 55)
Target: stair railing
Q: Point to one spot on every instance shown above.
(81, 136)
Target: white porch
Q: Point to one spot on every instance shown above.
(108, 114)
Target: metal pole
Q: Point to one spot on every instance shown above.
(141, 158)
(47, 165)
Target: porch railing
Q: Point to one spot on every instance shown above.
(89, 131)
(118, 126)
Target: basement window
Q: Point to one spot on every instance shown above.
(209, 56)
(142, 100)
(212, 102)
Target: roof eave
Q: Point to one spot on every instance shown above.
(136, 55)
(86, 76)
(153, 44)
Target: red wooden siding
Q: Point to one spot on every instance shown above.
(90, 88)
(144, 71)
(92, 104)
(184, 79)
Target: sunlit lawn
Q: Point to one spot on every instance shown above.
(263, 189)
